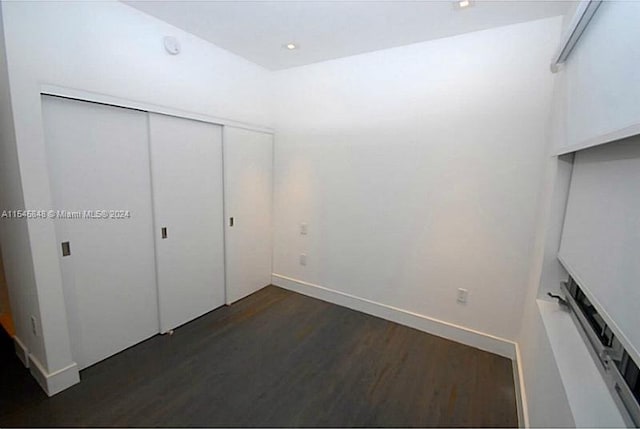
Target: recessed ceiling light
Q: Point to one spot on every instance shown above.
(291, 46)
(461, 4)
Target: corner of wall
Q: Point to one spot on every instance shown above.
(450, 331)
(21, 351)
(536, 363)
(27, 290)
(54, 382)
(13, 232)
(521, 392)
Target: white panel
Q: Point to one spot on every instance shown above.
(186, 164)
(99, 160)
(602, 75)
(601, 237)
(248, 161)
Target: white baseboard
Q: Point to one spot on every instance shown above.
(56, 381)
(521, 394)
(21, 351)
(460, 334)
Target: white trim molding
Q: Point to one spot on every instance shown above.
(57, 381)
(521, 394)
(94, 97)
(611, 137)
(21, 351)
(585, 11)
(450, 331)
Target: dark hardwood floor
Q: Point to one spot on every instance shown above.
(281, 359)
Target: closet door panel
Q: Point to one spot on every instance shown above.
(248, 165)
(98, 159)
(186, 164)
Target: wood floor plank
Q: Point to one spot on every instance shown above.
(276, 359)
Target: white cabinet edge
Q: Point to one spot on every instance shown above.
(592, 404)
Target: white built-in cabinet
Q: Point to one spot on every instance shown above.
(166, 253)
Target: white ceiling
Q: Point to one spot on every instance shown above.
(257, 30)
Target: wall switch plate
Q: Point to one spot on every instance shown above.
(303, 259)
(463, 294)
(304, 229)
(34, 326)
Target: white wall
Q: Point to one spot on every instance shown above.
(16, 252)
(417, 170)
(107, 48)
(546, 398)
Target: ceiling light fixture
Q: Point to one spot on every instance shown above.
(461, 4)
(291, 46)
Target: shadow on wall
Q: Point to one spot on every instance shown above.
(5, 309)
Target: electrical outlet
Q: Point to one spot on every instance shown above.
(34, 328)
(304, 229)
(303, 259)
(463, 294)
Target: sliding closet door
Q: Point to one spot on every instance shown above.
(248, 163)
(186, 164)
(98, 159)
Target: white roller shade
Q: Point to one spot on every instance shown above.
(601, 238)
(603, 82)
